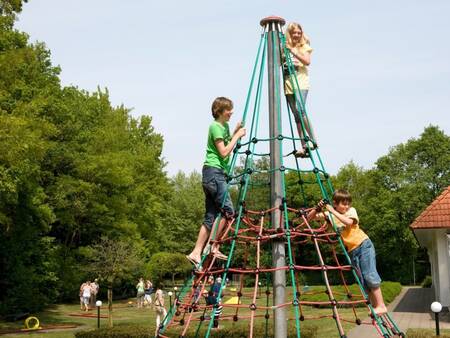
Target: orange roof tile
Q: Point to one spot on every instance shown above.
(436, 215)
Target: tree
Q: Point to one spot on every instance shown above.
(185, 212)
(25, 139)
(72, 169)
(163, 264)
(112, 260)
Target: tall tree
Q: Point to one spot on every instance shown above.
(72, 168)
(112, 260)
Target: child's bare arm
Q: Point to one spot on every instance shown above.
(225, 150)
(317, 213)
(304, 58)
(344, 219)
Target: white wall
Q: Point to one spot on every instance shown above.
(437, 243)
(441, 269)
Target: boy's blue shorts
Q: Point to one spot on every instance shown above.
(364, 260)
(217, 198)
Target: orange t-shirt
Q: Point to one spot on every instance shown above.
(352, 235)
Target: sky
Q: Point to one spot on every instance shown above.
(379, 73)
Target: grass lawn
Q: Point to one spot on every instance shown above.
(427, 333)
(124, 314)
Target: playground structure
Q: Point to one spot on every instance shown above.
(279, 224)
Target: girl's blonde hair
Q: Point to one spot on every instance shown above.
(304, 39)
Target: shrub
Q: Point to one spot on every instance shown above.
(125, 331)
(235, 331)
(427, 282)
(242, 331)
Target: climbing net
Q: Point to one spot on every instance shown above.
(250, 233)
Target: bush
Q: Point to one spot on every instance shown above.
(128, 331)
(427, 282)
(125, 331)
(258, 331)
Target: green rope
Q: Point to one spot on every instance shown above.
(243, 193)
(245, 180)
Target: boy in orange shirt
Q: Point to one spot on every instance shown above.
(358, 245)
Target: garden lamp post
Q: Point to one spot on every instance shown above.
(98, 304)
(436, 307)
(259, 289)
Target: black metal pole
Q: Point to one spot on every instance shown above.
(436, 317)
(98, 317)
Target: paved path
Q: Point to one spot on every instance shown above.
(410, 309)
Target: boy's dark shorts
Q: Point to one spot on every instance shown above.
(364, 260)
(217, 198)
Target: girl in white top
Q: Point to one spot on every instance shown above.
(86, 290)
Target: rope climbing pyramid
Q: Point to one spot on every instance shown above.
(266, 237)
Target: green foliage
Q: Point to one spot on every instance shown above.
(259, 330)
(427, 333)
(124, 331)
(9, 7)
(72, 169)
(111, 259)
(168, 264)
(427, 282)
(235, 331)
(186, 209)
(390, 196)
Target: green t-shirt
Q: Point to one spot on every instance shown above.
(217, 131)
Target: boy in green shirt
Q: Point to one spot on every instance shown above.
(219, 147)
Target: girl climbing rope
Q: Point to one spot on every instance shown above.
(298, 46)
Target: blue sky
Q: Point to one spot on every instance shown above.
(380, 70)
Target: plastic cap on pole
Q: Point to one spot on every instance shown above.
(169, 293)
(436, 307)
(98, 303)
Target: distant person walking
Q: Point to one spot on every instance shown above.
(140, 288)
(148, 293)
(86, 294)
(80, 293)
(160, 310)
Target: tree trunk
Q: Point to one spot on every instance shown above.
(173, 280)
(110, 320)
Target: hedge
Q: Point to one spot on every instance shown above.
(135, 331)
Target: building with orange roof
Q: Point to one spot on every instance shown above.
(432, 230)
